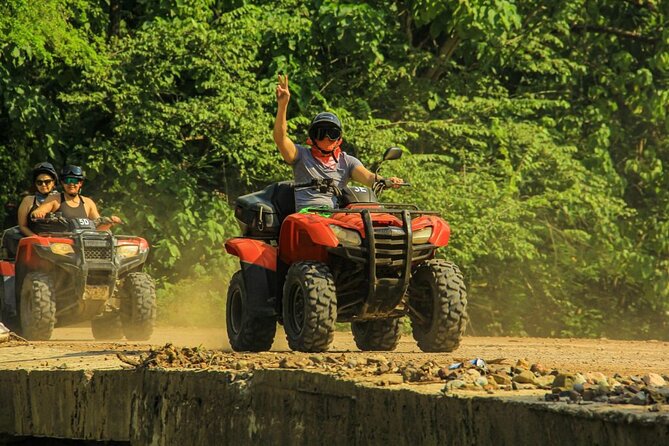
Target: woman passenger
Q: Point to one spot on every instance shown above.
(44, 178)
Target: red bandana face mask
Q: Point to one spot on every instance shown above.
(325, 153)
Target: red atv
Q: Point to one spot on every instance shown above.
(367, 263)
(77, 274)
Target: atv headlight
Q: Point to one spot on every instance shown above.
(421, 236)
(62, 249)
(347, 237)
(125, 251)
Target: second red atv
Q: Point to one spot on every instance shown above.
(77, 273)
(368, 263)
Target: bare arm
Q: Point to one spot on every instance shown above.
(364, 176)
(49, 205)
(24, 207)
(286, 146)
(91, 208)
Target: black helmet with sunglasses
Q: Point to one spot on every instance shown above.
(71, 171)
(323, 125)
(44, 168)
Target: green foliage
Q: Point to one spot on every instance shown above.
(539, 129)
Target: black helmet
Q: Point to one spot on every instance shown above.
(72, 171)
(324, 120)
(46, 168)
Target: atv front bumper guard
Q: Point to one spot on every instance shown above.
(384, 294)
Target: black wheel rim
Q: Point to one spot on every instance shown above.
(297, 308)
(236, 311)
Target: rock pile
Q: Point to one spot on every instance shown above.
(471, 375)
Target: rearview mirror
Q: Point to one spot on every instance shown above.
(392, 153)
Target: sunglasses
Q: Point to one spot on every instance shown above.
(43, 182)
(71, 180)
(332, 133)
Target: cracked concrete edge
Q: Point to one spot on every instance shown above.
(162, 407)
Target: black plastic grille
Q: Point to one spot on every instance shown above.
(98, 250)
(390, 246)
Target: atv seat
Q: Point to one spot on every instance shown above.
(283, 199)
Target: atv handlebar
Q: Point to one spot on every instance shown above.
(107, 221)
(383, 184)
(325, 185)
(50, 218)
(56, 217)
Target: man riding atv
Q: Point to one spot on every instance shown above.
(323, 158)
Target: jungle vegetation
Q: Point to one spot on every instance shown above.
(538, 128)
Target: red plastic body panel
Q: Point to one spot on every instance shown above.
(143, 244)
(253, 251)
(7, 269)
(354, 221)
(306, 237)
(25, 254)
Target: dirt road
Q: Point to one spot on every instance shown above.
(75, 347)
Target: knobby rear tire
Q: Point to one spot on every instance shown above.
(246, 333)
(376, 335)
(107, 327)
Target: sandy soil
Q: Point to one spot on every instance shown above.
(74, 347)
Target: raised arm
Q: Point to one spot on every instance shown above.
(286, 146)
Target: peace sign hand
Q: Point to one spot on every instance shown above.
(282, 91)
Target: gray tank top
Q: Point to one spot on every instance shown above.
(69, 212)
(306, 168)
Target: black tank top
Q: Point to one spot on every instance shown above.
(39, 227)
(70, 212)
(66, 211)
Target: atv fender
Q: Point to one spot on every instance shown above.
(253, 251)
(441, 232)
(28, 254)
(258, 261)
(306, 237)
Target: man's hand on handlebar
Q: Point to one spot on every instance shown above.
(108, 221)
(394, 182)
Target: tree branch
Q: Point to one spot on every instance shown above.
(614, 31)
(445, 52)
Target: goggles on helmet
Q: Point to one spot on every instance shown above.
(332, 133)
(43, 166)
(72, 171)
